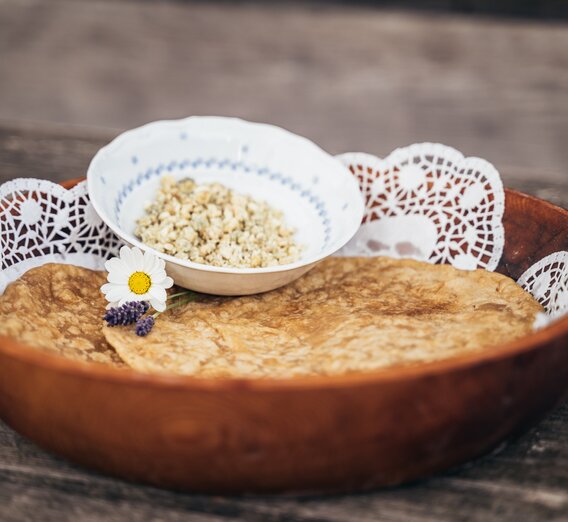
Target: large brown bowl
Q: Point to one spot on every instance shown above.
(322, 434)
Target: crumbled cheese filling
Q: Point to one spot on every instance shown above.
(213, 225)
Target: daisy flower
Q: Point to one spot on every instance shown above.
(136, 276)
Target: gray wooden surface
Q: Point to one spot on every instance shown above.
(525, 481)
(351, 78)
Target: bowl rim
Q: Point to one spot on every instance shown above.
(27, 354)
(302, 262)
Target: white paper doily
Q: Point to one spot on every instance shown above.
(425, 201)
(428, 202)
(41, 222)
(547, 282)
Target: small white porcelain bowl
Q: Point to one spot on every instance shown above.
(318, 195)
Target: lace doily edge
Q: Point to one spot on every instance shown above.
(398, 154)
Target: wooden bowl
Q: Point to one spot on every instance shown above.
(324, 434)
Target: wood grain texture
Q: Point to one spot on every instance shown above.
(526, 480)
(527, 240)
(59, 152)
(348, 77)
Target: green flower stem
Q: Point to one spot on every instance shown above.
(191, 296)
(183, 292)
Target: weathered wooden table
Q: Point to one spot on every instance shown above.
(525, 480)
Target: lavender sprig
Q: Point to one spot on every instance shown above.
(133, 312)
(144, 325)
(126, 314)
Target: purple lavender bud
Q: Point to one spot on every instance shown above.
(126, 314)
(144, 325)
(113, 316)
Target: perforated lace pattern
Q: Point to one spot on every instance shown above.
(547, 282)
(41, 222)
(428, 202)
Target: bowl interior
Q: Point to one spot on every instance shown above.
(318, 196)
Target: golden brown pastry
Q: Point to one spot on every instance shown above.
(59, 308)
(346, 315)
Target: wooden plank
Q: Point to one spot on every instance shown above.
(348, 77)
(526, 478)
(60, 152)
(49, 152)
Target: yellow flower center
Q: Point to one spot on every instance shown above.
(139, 282)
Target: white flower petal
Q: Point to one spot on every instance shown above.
(133, 260)
(125, 255)
(158, 292)
(137, 260)
(114, 292)
(159, 306)
(118, 275)
(149, 262)
(157, 275)
(131, 296)
(115, 264)
(109, 264)
(160, 263)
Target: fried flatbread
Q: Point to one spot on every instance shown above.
(346, 315)
(59, 308)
